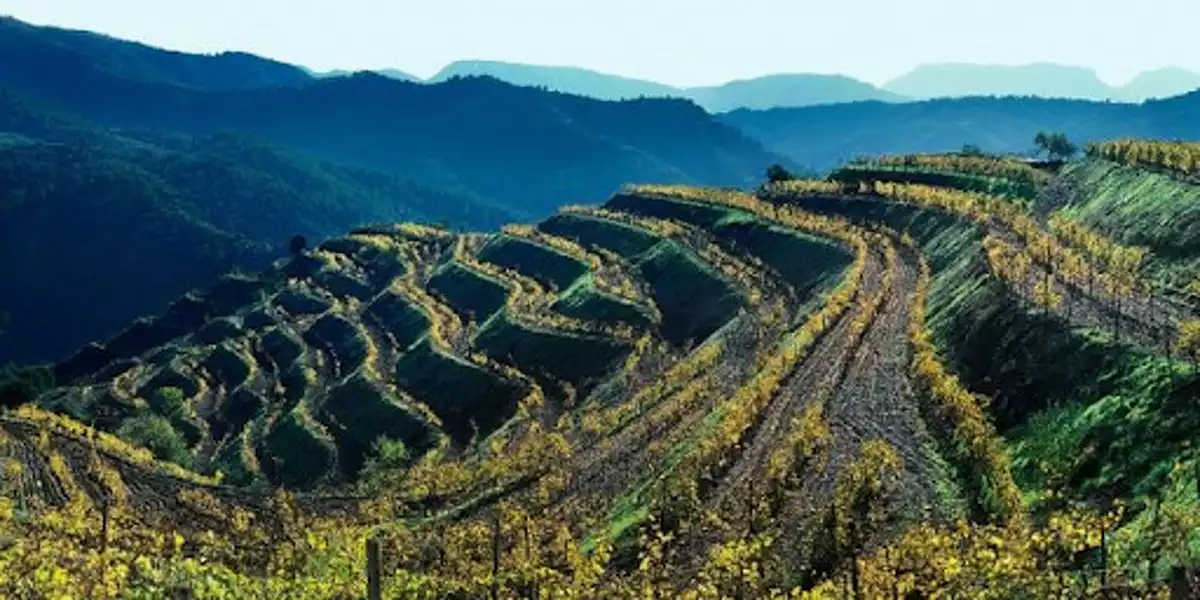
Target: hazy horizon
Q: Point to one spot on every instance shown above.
(684, 44)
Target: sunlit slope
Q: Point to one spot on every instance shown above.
(417, 335)
(685, 390)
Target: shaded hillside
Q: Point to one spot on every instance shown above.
(431, 338)
(555, 146)
(820, 137)
(28, 49)
(98, 229)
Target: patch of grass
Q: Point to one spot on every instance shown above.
(705, 216)
(465, 397)
(405, 322)
(367, 411)
(615, 237)
(585, 302)
(677, 277)
(538, 262)
(472, 295)
(802, 260)
(1141, 208)
(548, 354)
(341, 336)
(298, 457)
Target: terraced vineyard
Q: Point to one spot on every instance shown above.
(682, 392)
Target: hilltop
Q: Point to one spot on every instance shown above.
(28, 49)
(659, 381)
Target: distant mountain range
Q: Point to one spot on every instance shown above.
(784, 90)
(805, 89)
(237, 70)
(1043, 80)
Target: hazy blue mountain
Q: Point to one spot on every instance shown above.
(770, 91)
(1161, 83)
(571, 80)
(787, 90)
(31, 48)
(1043, 80)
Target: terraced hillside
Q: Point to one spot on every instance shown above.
(863, 387)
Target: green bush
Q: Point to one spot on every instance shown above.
(156, 434)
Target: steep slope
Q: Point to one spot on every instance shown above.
(1139, 207)
(27, 49)
(257, 375)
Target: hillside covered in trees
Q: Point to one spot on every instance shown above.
(97, 228)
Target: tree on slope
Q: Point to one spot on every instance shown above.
(777, 173)
(1055, 145)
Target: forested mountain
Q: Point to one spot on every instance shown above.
(96, 229)
(820, 137)
(30, 49)
(555, 146)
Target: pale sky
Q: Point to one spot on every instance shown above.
(681, 42)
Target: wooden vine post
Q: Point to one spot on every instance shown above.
(374, 570)
(495, 588)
